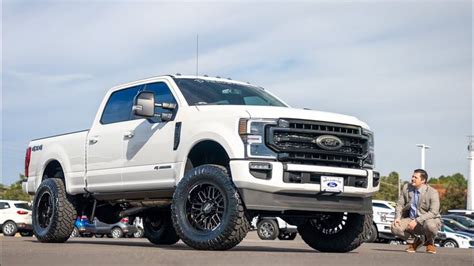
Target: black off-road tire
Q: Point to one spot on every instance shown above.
(55, 225)
(287, 236)
(267, 229)
(233, 225)
(353, 233)
(26, 233)
(372, 234)
(158, 228)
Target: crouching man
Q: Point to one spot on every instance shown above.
(417, 213)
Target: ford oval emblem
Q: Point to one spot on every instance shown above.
(329, 142)
(332, 184)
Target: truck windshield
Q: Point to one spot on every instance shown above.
(208, 92)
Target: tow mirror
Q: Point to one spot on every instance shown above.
(145, 104)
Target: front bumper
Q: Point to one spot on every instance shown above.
(274, 194)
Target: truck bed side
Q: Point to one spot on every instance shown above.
(69, 150)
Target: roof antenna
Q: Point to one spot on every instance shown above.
(197, 55)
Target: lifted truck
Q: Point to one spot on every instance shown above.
(197, 158)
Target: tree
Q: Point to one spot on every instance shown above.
(15, 192)
(388, 187)
(455, 196)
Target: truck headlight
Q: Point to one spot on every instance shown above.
(252, 132)
(369, 160)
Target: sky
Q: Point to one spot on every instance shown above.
(404, 67)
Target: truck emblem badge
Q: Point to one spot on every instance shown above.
(329, 142)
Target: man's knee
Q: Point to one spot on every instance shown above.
(397, 230)
(431, 225)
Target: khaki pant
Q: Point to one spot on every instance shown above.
(429, 229)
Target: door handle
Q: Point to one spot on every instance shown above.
(93, 140)
(129, 134)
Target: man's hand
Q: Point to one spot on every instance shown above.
(397, 222)
(412, 225)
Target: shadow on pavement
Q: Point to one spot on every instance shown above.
(183, 247)
(389, 250)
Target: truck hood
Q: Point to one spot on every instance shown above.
(284, 112)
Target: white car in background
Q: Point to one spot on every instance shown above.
(383, 217)
(15, 216)
(449, 238)
(270, 228)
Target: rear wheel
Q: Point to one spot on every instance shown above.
(267, 229)
(9, 228)
(158, 228)
(207, 211)
(116, 232)
(336, 232)
(53, 213)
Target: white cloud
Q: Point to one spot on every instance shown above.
(404, 67)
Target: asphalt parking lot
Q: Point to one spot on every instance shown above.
(252, 251)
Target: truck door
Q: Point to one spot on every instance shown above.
(105, 158)
(149, 161)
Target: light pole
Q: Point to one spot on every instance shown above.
(423, 148)
(470, 178)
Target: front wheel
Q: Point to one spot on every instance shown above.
(53, 213)
(372, 236)
(207, 211)
(336, 232)
(450, 244)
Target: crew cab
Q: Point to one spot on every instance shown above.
(197, 157)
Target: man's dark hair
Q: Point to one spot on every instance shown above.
(423, 174)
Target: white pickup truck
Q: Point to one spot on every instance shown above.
(197, 158)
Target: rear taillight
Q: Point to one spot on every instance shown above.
(124, 220)
(22, 212)
(27, 161)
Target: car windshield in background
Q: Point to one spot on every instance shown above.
(25, 206)
(209, 92)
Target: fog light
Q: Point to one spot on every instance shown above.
(261, 170)
(260, 166)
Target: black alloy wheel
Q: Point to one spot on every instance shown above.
(207, 211)
(205, 206)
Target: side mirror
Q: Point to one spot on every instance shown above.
(145, 104)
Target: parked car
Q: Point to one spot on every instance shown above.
(467, 213)
(383, 217)
(270, 228)
(464, 220)
(116, 230)
(81, 227)
(456, 226)
(15, 216)
(449, 238)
